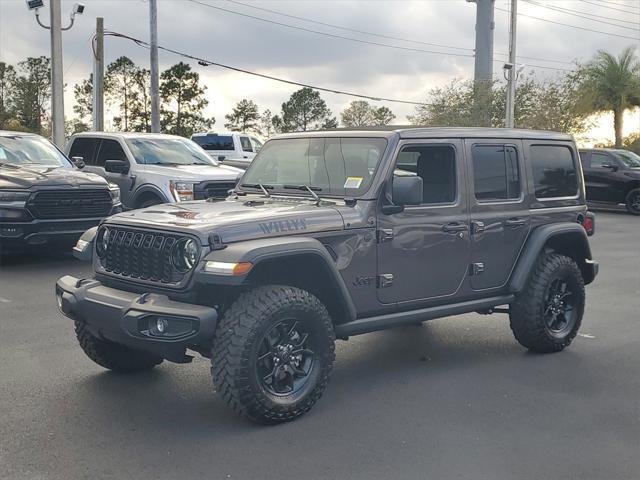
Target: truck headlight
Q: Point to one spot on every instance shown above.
(114, 190)
(181, 191)
(7, 196)
(185, 255)
(102, 241)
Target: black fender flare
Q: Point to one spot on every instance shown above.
(148, 188)
(260, 250)
(574, 239)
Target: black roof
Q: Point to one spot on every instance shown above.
(434, 132)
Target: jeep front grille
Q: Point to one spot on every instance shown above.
(62, 204)
(141, 255)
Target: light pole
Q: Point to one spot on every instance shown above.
(57, 82)
(511, 68)
(153, 57)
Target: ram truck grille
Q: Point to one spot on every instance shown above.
(63, 204)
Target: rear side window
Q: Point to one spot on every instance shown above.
(496, 174)
(110, 150)
(246, 144)
(214, 142)
(554, 171)
(85, 148)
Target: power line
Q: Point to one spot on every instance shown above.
(597, 4)
(587, 16)
(367, 41)
(351, 39)
(571, 26)
(205, 62)
(364, 32)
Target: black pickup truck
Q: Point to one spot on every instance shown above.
(46, 200)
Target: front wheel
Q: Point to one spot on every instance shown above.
(547, 314)
(273, 353)
(633, 202)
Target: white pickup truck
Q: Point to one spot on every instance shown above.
(231, 148)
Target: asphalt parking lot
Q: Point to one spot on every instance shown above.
(457, 398)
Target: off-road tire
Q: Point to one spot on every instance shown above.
(633, 202)
(114, 356)
(526, 313)
(237, 342)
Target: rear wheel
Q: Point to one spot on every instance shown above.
(547, 314)
(633, 202)
(114, 356)
(273, 353)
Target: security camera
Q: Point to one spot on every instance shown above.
(508, 66)
(34, 4)
(78, 8)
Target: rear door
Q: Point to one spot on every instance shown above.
(500, 219)
(423, 251)
(605, 181)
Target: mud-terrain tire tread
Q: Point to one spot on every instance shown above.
(113, 356)
(230, 362)
(526, 321)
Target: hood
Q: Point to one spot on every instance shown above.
(47, 176)
(195, 173)
(238, 219)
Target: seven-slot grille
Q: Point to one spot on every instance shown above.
(60, 204)
(141, 255)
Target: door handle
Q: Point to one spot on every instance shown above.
(514, 222)
(454, 227)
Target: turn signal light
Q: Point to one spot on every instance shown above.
(225, 268)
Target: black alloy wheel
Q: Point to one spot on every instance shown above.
(286, 358)
(559, 313)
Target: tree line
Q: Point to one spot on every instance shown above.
(607, 83)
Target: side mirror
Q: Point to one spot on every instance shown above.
(116, 166)
(78, 162)
(221, 158)
(405, 191)
(610, 166)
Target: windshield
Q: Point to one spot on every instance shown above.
(168, 151)
(331, 166)
(214, 142)
(31, 150)
(630, 159)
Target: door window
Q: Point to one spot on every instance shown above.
(214, 142)
(110, 150)
(554, 171)
(257, 144)
(495, 172)
(246, 144)
(599, 160)
(436, 165)
(85, 148)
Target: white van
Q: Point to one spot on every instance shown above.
(231, 148)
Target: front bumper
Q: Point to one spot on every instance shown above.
(19, 235)
(130, 319)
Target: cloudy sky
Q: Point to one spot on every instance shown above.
(405, 73)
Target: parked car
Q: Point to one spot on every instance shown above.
(334, 234)
(44, 199)
(612, 177)
(152, 168)
(231, 148)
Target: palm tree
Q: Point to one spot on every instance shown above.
(612, 85)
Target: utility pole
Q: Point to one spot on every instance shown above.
(511, 68)
(483, 71)
(98, 78)
(155, 80)
(57, 82)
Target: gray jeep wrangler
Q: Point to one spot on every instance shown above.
(334, 234)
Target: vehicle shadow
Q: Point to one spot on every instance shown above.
(36, 258)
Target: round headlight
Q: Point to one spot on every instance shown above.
(102, 241)
(185, 255)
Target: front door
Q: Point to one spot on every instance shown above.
(500, 219)
(604, 181)
(423, 251)
(111, 149)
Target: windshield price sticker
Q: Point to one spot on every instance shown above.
(353, 182)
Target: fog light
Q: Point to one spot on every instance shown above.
(161, 325)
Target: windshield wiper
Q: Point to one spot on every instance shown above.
(311, 190)
(261, 186)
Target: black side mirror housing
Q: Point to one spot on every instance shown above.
(405, 191)
(78, 162)
(116, 166)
